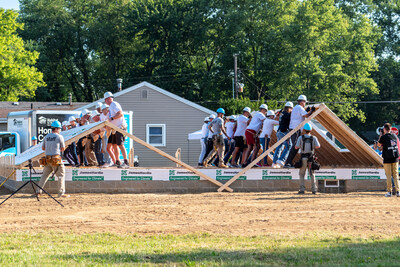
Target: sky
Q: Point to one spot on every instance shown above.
(9, 4)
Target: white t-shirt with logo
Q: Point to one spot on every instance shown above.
(229, 128)
(241, 125)
(256, 122)
(297, 116)
(115, 107)
(268, 127)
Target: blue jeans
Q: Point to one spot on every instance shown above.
(228, 153)
(264, 142)
(97, 152)
(287, 145)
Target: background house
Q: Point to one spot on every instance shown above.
(162, 119)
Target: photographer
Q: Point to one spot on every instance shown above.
(390, 154)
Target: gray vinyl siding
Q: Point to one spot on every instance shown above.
(180, 120)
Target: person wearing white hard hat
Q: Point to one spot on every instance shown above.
(283, 129)
(97, 139)
(105, 133)
(230, 127)
(204, 133)
(98, 107)
(252, 133)
(72, 147)
(299, 114)
(64, 126)
(117, 139)
(217, 128)
(307, 143)
(209, 142)
(265, 136)
(87, 142)
(240, 142)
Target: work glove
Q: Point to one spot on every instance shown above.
(308, 109)
(312, 108)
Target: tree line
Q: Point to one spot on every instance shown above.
(334, 51)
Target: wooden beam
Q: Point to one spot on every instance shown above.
(68, 142)
(162, 153)
(321, 107)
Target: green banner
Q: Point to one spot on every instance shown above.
(87, 178)
(277, 177)
(136, 178)
(183, 178)
(224, 178)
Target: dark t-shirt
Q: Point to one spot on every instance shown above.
(284, 121)
(390, 151)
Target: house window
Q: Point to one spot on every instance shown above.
(144, 94)
(155, 134)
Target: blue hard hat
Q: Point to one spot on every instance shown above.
(56, 124)
(307, 127)
(221, 110)
(34, 138)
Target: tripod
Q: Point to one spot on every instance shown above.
(33, 183)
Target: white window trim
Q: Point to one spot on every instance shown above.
(164, 135)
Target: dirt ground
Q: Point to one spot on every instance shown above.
(217, 213)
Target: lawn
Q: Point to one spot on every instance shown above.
(60, 248)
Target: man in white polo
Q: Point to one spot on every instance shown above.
(116, 139)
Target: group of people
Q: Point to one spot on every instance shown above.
(101, 148)
(235, 141)
(248, 135)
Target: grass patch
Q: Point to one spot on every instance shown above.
(55, 249)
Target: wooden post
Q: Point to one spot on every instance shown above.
(234, 178)
(178, 156)
(162, 153)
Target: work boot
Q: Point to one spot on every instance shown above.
(301, 193)
(222, 165)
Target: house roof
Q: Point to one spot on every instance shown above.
(7, 107)
(156, 88)
(357, 153)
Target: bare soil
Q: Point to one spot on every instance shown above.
(216, 213)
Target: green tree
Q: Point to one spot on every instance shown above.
(18, 76)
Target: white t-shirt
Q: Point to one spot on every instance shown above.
(210, 134)
(241, 125)
(297, 116)
(115, 107)
(268, 126)
(204, 130)
(104, 117)
(256, 122)
(229, 126)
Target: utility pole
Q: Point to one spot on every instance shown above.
(235, 77)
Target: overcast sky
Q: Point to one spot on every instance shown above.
(9, 4)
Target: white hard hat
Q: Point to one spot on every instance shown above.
(212, 116)
(104, 106)
(270, 113)
(264, 106)
(206, 119)
(247, 109)
(64, 123)
(99, 104)
(72, 118)
(232, 117)
(95, 113)
(108, 94)
(302, 97)
(85, 112)
(289, 104)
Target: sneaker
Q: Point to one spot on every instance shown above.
(105, 165)
(63, 195)
(314, 192)
(200, 165)
(280, 162)
(301, 193)
(123, 166)
(222, 166)
(240, 166)
(229, 165)
(258, 165)
(388, 194)
(234, 166)
(397, 194)
(288, 165)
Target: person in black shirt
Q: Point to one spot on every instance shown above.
(390, 154)
(284, 120)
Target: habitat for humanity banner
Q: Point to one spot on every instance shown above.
(141, 174)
